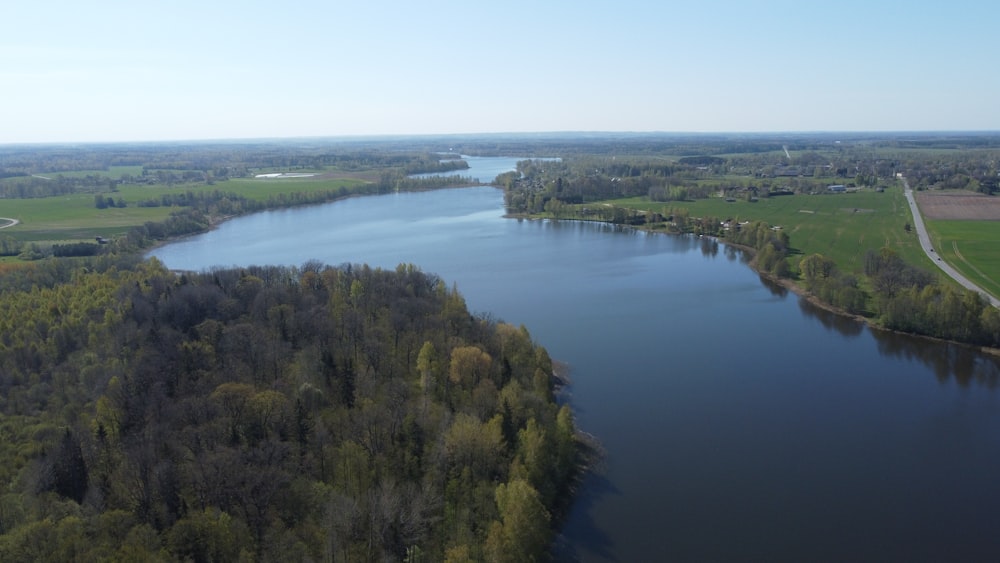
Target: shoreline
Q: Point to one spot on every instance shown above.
(786, 283)
(215, 222)
(805, 295)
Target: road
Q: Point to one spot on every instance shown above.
(11, 223)
(925, 243)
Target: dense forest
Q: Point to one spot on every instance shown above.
(270, 414)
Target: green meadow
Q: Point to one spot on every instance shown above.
(972, 248)
(73, 218)
(76, 218)
(841, 226)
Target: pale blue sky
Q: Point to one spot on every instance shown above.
(76, 71)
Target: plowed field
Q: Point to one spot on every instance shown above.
(959, 205)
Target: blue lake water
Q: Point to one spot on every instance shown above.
(740, 423)
(482, 168)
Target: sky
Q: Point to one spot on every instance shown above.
(137, 70)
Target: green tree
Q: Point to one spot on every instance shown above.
(522, 535)
(816, 267)
(468, 365)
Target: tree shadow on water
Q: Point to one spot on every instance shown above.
(843, 325)
(580, 533)
(966, 365)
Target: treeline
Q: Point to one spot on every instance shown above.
(905, 298)
(434, 164)
(397, 181)
(587, 179)
(270, 414)
(28, 187)
(966, 170)
(769, 244)
(197, 210)
(757, 170)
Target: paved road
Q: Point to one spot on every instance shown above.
(10, 224)
(925, 243)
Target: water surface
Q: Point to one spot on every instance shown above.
(740, 423)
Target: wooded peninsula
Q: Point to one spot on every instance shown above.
(270, 413)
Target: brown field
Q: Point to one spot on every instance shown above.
(959, 205)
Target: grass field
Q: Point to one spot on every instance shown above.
(971, 247)
(72, 217)
(75, 217)
(841, 226)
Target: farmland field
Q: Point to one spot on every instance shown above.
(971, 247)
(72, 217)
(959, 205)
(841, 226)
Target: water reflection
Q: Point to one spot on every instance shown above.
(965, 364)
(776, 289)
(587, 535)
(709, 247)
(843, 325)
(733, 254)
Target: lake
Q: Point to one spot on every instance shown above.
(482, 168)
(740, 423)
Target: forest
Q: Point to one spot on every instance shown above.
(270, 414)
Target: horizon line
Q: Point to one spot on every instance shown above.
(562, 133)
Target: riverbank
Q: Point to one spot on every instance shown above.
(788, 284)
(815, 301)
